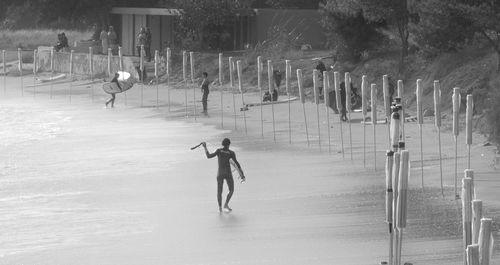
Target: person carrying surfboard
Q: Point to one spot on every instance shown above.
(112, 99)
(224, 171)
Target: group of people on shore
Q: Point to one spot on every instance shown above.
(108, 39)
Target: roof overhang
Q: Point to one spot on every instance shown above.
(145, 11)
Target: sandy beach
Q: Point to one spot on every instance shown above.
(82, 184)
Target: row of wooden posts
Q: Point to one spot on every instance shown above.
(476, 230)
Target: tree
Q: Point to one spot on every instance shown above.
(203, 24)
(484, 18)
(390, 12)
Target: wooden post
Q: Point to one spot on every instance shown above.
(288, 70)
(402, 199)
(388, 200)
(364, 106)
(51, 70)
(4, 73)
(191, 63)
(141, 67)
(420, 118)
(466, 214)
(169, 53)
(348, 105)
(316, 101)
(20, 68)
(477, 214)
(91, 72)
(259, 85)
(70, 73)
(110, 54)
(326, 93)
(231, 80)
(468, 125)
(184, 78)
(220, 89)
(395, 184)
(157, 55)
(338, 98)
(485, 241)
(387, 104)
(303, 101)
(240, 87)
(35, 66)
(374, 122)
(456, 109)
(271, 86)
(120, 58)
(437, 123)
(472, 254)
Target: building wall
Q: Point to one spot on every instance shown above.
(304, 23)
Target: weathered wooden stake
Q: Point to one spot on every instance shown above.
(259, 85)
(468, 125)
(70, 73)
(389, 199)
(437, 123)
(157, 59)
(387, 105)
(191, 63)
(395, 183)
(400, 94)
(348, 105)
(364, 107)
(221, 75)
(240, 87)
(91, 72)
(231, 80)
(303, 101)
(466, 214)
(338, 98)
(374, 122)
(184, 78)
(420, 118)
(402, 198)
(141, 68)
(4, 73)
(316, 101)
(110, 54)
(288, 70)
(20, 68)
(169, 54)
(35, 66)
(485, 241)
(271, 86)
(477, 215)
(326, 93)
(120, 61)
(456, 110)
(472, 254)
(51, 70)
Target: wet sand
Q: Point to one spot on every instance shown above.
(120, 186)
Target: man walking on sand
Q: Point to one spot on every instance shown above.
(224, 172)
(205, 91)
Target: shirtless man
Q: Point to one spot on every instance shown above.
(112, 99)
(224, 172)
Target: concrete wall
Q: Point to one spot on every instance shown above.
(81, 63)
(300, 21)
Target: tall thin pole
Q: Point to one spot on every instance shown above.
(420, 118)
(326, 92)
(91, 71)
(288, 72)
(231, 81)
(184, 77)
(35, 62)
(364, 103)
(468, 126)
(220, 89)
(191, 63)
(348, 106)
(259, 85)
(157, 55)
(120, 58)
(437, 123)
(374, 122)
(70, 73)
(141, 68)
(240, 79)
(336, 77)
(401, 94)
(20, 67)
(456, 109)
(316, 101)
(4, 73)
(168, 77)
(51, 70)
(303, 101)
(271, 86)
(387, 105)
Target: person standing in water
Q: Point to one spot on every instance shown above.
(112, 99)
(205, 91)
(224, 172)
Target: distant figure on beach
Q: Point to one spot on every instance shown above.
(112, 99)
(343, 102)
(204, 89)
(224, 172)
(147, 47)
(277, 78)
(321, 68)
(62, 42)
(141, 40)
(112, 40)
(104, 41)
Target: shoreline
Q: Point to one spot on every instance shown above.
(296, 161)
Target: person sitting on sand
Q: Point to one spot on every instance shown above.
(112, 99)
(224, 172)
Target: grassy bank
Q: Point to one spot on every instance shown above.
(30, 39)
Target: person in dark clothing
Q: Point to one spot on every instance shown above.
(343, 101)
(205, 91)
(62, 42)
(224, 172)
(141, 41)
(277, 76)
(147, 47)
(321, 68)
(112, 99)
